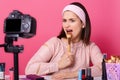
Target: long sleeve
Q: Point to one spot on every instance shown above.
(96, 58)
(39, 64)
(46, 59)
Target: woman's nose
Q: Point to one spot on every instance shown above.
(67, 24)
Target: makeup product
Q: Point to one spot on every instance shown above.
(69, 42)
(11, 73)
(2, 71)
(80, 74)
(83, 74)
(88, 74)
(104, 74)
(34, 77)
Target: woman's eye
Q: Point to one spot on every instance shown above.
(64, 20)
(72, 20)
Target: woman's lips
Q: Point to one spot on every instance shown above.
(69, 31)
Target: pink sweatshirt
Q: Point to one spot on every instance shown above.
(46, 59)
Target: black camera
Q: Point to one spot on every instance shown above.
(22, 25)
(17, 25)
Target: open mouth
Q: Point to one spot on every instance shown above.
(69, 31)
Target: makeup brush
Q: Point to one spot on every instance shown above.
(69, 42)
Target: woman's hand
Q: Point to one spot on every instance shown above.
(64, 75)
(58, 76)
(66, 60)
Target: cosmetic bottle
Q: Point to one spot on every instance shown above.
(80, 74)
(2, 71)
(11, 73)
(83, 74)
(104, 74)
(88, 74)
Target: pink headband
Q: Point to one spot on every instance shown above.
(78, 11)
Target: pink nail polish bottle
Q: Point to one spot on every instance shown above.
(11, 72)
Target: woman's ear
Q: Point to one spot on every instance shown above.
(83, 26)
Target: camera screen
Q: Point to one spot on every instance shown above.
(13, 26)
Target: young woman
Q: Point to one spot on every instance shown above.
(63, 56)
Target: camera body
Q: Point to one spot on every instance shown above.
(22, 25)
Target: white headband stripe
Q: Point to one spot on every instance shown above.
(77, 10)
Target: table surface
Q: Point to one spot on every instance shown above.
(7, 77)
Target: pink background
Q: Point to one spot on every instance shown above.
(104, 15)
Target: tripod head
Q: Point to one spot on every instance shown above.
(9, 44)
